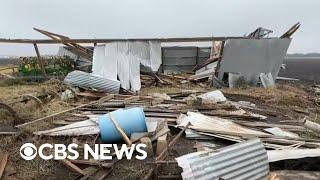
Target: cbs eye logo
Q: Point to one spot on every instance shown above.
(28, 151)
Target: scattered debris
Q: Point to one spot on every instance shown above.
(67, 94)
(180, 118)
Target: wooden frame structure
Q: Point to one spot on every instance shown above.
(74, 46)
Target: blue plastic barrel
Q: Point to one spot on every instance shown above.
(130, 120)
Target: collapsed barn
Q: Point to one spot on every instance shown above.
(190, 133)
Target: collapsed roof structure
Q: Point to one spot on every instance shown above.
(253, 59)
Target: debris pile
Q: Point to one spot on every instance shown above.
(203, 117)
(189, 134)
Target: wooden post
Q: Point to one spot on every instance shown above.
(40, 60)
(213, 49)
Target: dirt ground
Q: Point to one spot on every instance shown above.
(293, 100)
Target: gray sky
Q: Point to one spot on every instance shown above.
(156, 18)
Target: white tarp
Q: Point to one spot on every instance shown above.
(123, 59)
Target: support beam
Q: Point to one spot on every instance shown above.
(77, 49)
(40, 61)
(52, 41)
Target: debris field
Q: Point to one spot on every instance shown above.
(216, 113)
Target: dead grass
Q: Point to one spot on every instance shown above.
(281, 95)
(11, 95)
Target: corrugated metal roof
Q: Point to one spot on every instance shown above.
(242, 161)
(90, 81)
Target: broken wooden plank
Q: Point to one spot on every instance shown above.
(161, 144)
(73, 167)
(9, 133)
(107, 98)
(91, 163)
(315, 127)
(3, 163)
(130, 100)
(40, 60)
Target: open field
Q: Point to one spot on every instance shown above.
(307, 69)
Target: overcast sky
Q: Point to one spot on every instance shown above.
(156, 18)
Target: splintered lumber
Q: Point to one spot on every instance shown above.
(291, 31)
(3, 163)
(73, 167)
(107, 98)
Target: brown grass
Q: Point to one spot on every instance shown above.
(281, 95)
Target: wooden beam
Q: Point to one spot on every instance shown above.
(40, 61)
(73, 167)
(3, 163)
(61, 37)
(101, 100)
(78, 49)
(54, 41)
